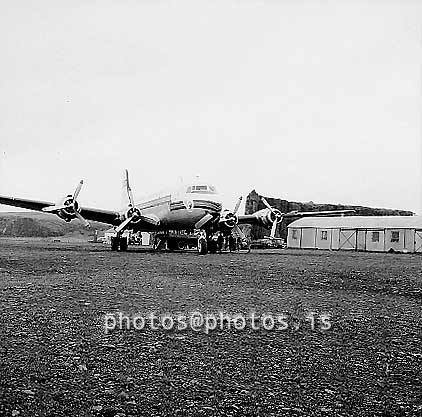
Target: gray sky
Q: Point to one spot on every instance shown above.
(300, 100)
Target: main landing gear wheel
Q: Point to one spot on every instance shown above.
(212, 246)
(202, 246)
(114, 244)
(123, 244)
(118, 242)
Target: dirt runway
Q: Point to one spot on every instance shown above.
(56, 358)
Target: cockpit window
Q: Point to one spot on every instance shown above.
(202, 189)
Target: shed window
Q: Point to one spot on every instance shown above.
(294, 234)
(395, 237)
(324, 235)
(375, 236)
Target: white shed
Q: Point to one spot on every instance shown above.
(359, 233)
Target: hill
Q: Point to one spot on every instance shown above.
(34, 224)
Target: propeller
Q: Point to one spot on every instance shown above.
(232, 217)
(69, 208)
(237, 230)
(78, 190)
(205, 219)
(134, 215)
(229, 218)
(236, 207)
(277, 217)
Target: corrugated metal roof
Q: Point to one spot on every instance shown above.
(360, 222)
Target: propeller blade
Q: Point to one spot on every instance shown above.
(154, 220)
(273, 230)
(236, 207)
(52, 209)
(131, 199)
(318, 213)
(123, 225)
(150, 220)
(147, 219)
(84, 221)
(127, 177)
(78, 190)
(238, 230)
(129, 190)
(202, 221)
(266, 204)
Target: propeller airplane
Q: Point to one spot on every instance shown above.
(197, 206)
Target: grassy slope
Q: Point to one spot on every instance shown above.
(33, 224)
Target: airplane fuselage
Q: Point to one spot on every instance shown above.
(181, 209)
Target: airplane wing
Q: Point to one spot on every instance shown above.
(98, 215)
(249, 219)
(317, 213)
(271, 217)
(257, 218)
(28, 204)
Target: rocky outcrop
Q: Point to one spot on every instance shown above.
(254, 203)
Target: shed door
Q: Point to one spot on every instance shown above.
(347, 239)
(418, 240)
(361, 240)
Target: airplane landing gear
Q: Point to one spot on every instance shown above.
(123, 244)
(202, 246)
(212, 246)
(114, 244)
(207, 243)
(119, 243)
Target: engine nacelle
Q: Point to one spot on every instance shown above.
(68, 212)
(266, 217)
(68, 208)
(135, 213)
(228, 219)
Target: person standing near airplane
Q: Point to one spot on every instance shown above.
(220, 242)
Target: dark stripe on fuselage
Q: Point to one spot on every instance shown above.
(206, 204)
(200, 204)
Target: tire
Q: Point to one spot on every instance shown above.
(171, 244)
(212, 246)
(123, 244)
(114, 244)
(202, 246)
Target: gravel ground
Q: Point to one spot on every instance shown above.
(56, 358)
